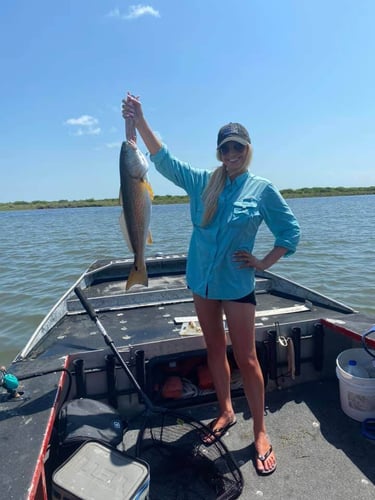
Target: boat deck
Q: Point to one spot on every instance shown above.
(320, 451)
(21, 420)
(168, 306)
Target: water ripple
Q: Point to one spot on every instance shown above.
(42, 253)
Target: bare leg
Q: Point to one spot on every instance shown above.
(241, 324)
(210, 314)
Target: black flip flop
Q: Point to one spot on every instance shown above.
(218, 433)
(263, 458)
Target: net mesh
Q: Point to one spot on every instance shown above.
(182, 467)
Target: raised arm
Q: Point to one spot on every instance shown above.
(132, 108)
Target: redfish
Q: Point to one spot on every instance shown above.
(136, 197)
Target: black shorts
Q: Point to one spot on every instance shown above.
(250, 298)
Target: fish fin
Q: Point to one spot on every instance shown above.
(149, 238)
(137, 277)
(124, 231)
(149, 189)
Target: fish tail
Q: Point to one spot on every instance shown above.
(149, 240)
(137, 276)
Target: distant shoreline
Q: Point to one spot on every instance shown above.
(174, 199)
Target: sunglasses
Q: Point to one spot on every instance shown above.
(236, 146)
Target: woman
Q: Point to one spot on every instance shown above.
(227, 207)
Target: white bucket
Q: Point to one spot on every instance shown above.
(357, 395)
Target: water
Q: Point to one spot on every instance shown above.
(43, 252)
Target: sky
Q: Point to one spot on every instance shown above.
(299, 74)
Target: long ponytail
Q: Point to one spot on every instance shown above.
(211, 194)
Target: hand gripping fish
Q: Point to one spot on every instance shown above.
(135, 195)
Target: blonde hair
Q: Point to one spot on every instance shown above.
(216, 185)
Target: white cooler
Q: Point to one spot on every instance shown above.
(97, 472)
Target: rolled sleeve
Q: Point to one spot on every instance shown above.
(280, 219)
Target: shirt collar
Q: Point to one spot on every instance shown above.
(240, 179)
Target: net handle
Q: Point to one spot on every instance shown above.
(108, 340)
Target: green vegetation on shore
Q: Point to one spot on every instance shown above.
(172, 199)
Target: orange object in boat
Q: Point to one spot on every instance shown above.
(172, 388)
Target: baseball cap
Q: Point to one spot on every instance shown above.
(233, 132)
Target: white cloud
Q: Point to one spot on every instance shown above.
(134, 11)
(84, 120)
(141, 10)
(88, 131)
(113, 145)
(87, 125)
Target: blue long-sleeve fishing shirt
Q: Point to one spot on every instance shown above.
(242, 206)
